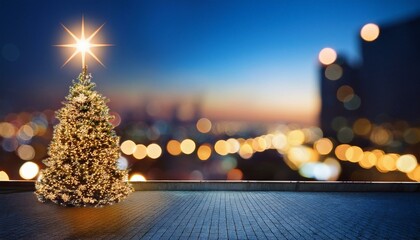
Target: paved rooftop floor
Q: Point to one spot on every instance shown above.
(218, 215)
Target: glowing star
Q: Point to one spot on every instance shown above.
(83, 45)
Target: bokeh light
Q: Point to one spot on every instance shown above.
(327, 56)
(222, 147)
(187, 146)
(340, 151)
(354, 154)
(7, 130)
(174, 147)
(154, 151)
(323, 146)
(128, 147)
(122, 163)
(246, 151)
(4, 176)
(345, 135)
(345, 93)
(234, 145)
(412, 135)
(362, 126)
(235, 174)
(415, 174)
(26, 152)
(368, 161)
(204, 152)
(295, 137)
(203, 125)
(28, 170)
(333, 72)
(369, 32)
(137, 177)
(140, 152)
(406, 163)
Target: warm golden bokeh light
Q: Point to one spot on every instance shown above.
(412, 135)
(279, 142)
(246, 151)
(295, 137)
(345, 93)
(323, 146)
(381, 136)
(83, 45)
(187, 146)
(128, 147)
(136, 177)
(173, 147)
(140, 152)
(327, 56)
(26, 152)
(368, 160)
(235, 174)
(406, 163)
(354, 154)
(386, 163)
(222, 147)
(154, 151)
(28, 170)
(203, 125)
(333, 72)
(340, 151)
(4, 176)
(234, 145)
(302, 154)
(369, 32)
(204, 152)
(7, 130)
(415, 174)
(259, 144)
(362, 126)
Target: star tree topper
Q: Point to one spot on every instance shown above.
(83, 45)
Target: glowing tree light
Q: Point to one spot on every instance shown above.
(82, 167)
(83, 45)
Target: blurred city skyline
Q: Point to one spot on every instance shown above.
(241, 60)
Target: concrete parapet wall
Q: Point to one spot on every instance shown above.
(294, 186)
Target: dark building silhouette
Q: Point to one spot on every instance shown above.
(386, 84)
(390, 74)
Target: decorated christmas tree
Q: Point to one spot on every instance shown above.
(82, 164)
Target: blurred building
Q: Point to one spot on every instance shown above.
(390, 74)
(384, 88)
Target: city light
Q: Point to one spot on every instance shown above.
(4, 176)
(26, 152)
(323, 146)
(406, 163)
(28, 170)
(369, 32)
(187, 146)
(128, 147)
(203, 125)
(154, 151)
(204, 152)
(140, 152)
(327, 56)
(137, 177)
(235, 174)
(174, 147)
(333, 72)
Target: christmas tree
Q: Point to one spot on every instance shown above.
(82, 164)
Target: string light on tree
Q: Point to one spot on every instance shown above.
(84, 167)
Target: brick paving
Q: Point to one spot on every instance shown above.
(218, 215)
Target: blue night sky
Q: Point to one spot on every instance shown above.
(246, 60)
